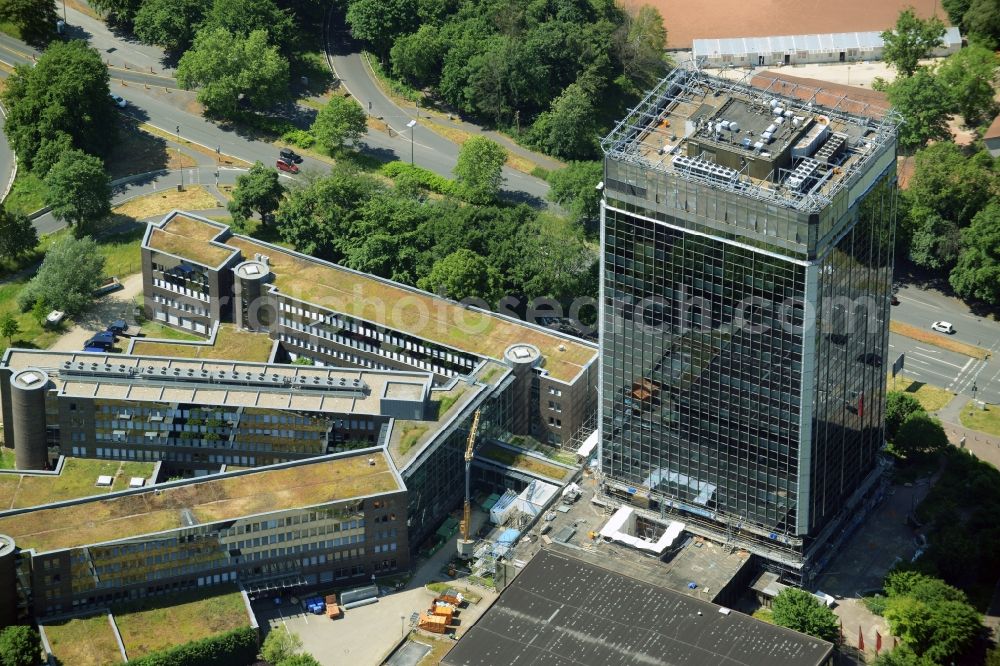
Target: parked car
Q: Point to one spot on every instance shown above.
(119, 101)
(117, 327)
(103, 341)
(871, 359)
(290, 156)
(286, 166)
(894, 300)
(943, 327)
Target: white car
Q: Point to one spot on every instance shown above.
(119, 101)
(943, 327)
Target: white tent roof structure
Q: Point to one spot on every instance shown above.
(837, 41)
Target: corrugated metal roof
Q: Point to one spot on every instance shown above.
(837, 41)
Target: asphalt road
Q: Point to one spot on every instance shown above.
(6, 158)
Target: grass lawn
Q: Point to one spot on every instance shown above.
(985, 420)
(145, 628)
(154, 329)
(448, 401)
(931, 397)
(27, 195)
(76, 480)
(764, 614)
(230, 344)
(121, 250)
(937, 339)
(87, 641)
(194, 197)
(412, 433)
(32, 334)
(8, 28)
(6, 458)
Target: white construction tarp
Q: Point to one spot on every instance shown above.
(589, 444)
(618, 526)
(533, 499)
(503, 507)
(704, 489)
(865, 42)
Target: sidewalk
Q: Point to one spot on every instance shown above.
(984, 446)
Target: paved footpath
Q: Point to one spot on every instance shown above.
(984, 446)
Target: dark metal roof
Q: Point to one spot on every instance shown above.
(561, 611)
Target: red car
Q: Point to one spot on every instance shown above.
(287, 166)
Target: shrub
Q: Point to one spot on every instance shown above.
(238, 646)
(419, 176)
(299, 138)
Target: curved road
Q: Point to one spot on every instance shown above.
(6, 159)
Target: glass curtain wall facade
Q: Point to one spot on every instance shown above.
(742, 377)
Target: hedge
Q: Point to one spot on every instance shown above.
(235, 648)
(420, 176)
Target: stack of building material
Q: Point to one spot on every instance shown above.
(437, 624)
(333, 611)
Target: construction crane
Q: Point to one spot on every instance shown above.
(465, 543)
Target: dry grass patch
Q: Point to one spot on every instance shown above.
(931, 397)
(520, 461)
(194, 197)
(937, 339)
(187, 618)
(87, 641)
(78, 479)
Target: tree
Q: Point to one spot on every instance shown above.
(280, 645)
(977, 273)
(575, 189)
(17, 235)
(911, 40)
(902, 656)
(641, 43)
(340, 121)
(49, 151)
(935, 242)
(937, 630)
(380, 22)
(35, 19)
(568, 130)
(898, 406)
(257, 191)
(66, 91)
(919, 433)
(956, 10)
(982, 23)
(20, 646)
(243, 17)
(463, 274)
(9, 327)
(117, 11)
(229, 68)
(920, 586)
(66, 280)
(968, 77)
(169, 23)
(479, 171)
(951, 185)
(923, 103)
(801, 611)
(418, 58)
(78, 190)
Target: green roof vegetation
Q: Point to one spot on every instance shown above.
(217, 498)
(412, 432)
(414, 312)
(189, 238)
(77, 479)
(521, 461)
(86, 641)
(179, 619)
(231, 344)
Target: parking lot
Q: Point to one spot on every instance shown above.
(107, 308)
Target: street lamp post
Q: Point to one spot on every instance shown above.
(411, 125)
(402, 625)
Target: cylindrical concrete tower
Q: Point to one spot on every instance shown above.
(523, 358)
(252, 310)
(8, 582)
(27, 403)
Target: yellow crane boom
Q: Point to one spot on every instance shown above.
(470, 444)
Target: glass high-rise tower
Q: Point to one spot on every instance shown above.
(747, 239)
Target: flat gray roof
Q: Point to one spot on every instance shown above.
(561, 611)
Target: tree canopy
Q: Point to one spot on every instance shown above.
(78, 190)
(575, 189)
(898, 406)
(910, 40)
(228, 69)
(801, 611)
(977, 273)
(64, 94)
(66, 280)
(170, 23)
(257, 191)
(20, 645)
(463, 274)
(244, 17)
(924, 104)
(382, 21)
(341, 120)
(35, 20)
(17, 234)
(279, 646)
(478, 173)
(919, 433)
(968, 77)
